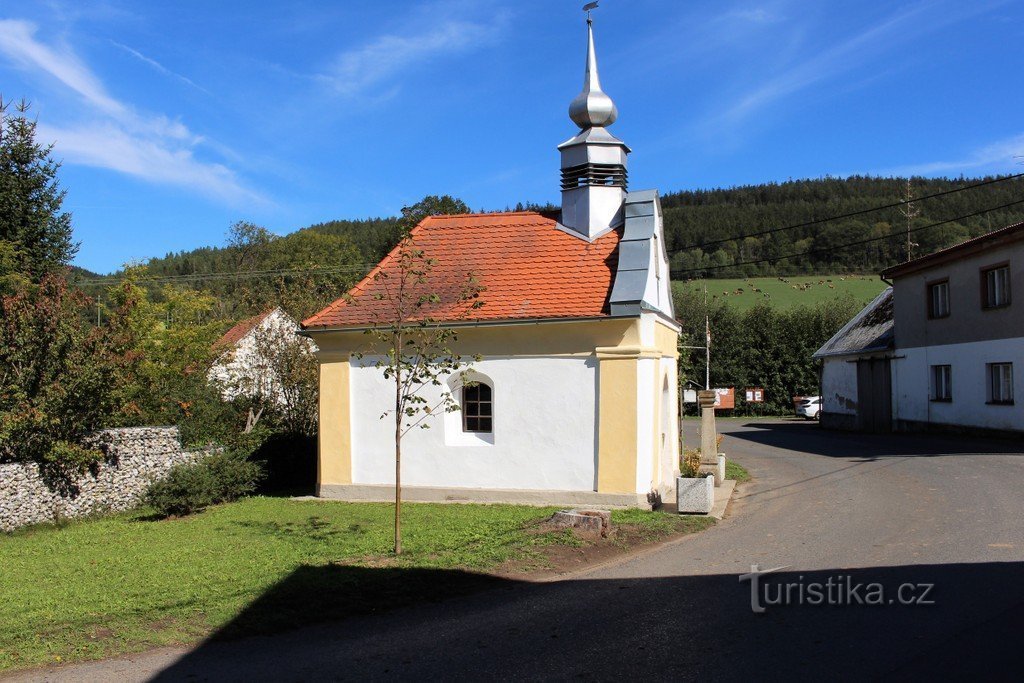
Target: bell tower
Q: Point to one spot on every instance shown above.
(594, 161)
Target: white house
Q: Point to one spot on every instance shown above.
(575, 401)
(242, 367)
(943, 349)
(959, 347)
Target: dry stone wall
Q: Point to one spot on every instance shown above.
(134, 457)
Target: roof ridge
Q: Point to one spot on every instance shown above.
(481, 214)
(923, 261)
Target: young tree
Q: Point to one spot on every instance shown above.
(280, 379)
(412, 345)
(35, 235)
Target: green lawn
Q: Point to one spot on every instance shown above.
(124, 583)
(790, 292)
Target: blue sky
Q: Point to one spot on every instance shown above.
(176, 119)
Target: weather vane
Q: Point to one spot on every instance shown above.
(589, 7)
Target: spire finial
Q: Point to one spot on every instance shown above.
(592, 107)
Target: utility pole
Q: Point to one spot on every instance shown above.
(910, 211)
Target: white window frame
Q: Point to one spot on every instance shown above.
(942, 382)
(996, 286)
(1000, 383)
(938, 299)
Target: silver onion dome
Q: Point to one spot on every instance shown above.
(592, 107)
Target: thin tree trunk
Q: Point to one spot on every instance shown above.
(398, 473)
(398, 448)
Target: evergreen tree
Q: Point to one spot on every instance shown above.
(35, 235)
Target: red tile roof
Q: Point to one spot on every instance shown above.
(235, 334)
(528, 268)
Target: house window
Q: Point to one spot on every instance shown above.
(942, 383)
(1000, 382)
(995, 286)
(477, 408)
(938, 299)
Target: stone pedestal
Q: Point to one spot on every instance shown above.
(709, 435)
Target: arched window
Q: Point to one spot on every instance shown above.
(477, 408)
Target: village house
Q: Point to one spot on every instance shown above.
(573, 398)
(945, 352)
(242, 367)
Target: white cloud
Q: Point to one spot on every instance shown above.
(356, 71)
(18, 42)
(158, 66)
(1002, 156)
(107, 145)
(152, 147)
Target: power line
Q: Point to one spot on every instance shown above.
(852, 214)
(195, 277)
(844, 246)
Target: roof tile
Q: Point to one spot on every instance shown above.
(528, 268)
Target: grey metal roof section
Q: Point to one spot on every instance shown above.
(870, 331)
(642, 221)
(594, 136)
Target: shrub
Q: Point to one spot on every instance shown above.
(192, 487)
(689, 464)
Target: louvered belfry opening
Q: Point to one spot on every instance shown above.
(591, 175)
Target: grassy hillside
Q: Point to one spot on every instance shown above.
(786, 293)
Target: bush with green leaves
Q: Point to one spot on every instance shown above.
(192, 487)
(761, 347)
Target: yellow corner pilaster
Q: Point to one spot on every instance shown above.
(617, 431)
(666, 339)
(335, 442)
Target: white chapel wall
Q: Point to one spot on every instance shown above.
(544, 430)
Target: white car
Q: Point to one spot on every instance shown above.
(809, 408)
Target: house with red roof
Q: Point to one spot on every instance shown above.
(573, 391)
(245, 364)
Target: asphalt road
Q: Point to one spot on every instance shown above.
(938, 514)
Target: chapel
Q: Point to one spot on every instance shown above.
(571, 395)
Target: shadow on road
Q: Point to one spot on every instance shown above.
(811, 438)
(686, 627)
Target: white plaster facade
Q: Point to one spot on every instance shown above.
(241, 370)
(839, 386)
(969, 406)
(526, 391)
(545, 430)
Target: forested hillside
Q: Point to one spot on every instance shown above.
(726, 233)
(707, 231)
